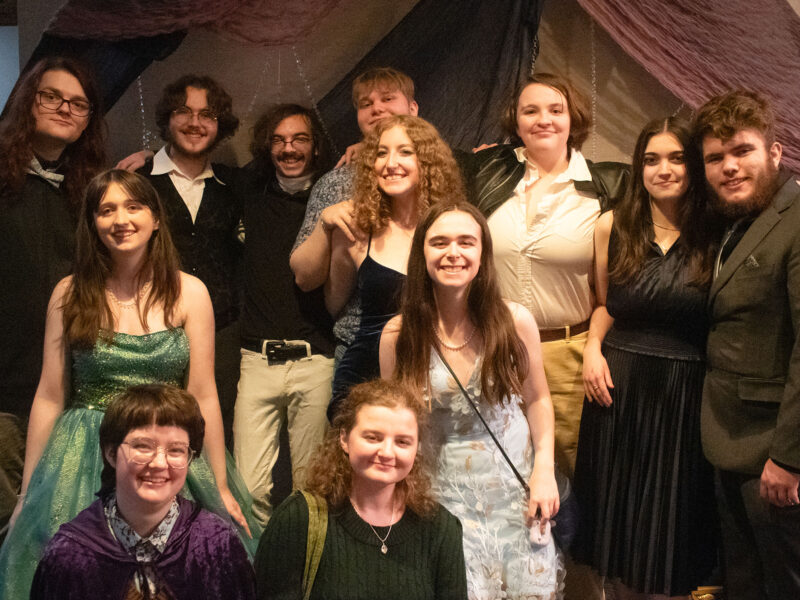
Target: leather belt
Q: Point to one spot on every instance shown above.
(563, 333)
(278, 351)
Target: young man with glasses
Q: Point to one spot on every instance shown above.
(193, 116)
(286, 339)
(51, 144)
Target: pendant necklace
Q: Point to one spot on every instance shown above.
(384, 547)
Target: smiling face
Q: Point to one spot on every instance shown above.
(192, 137)
(453, 249)
(377, 104)
(152, 486)
(124, 224)
(741, 171)
(292, 159)
(664, 169)
(56, 129)
(396, 164)
(381, 446)
(542, 120)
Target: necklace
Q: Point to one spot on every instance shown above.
(664, 227)
(458, 348)
(384, 547)
(130, 303)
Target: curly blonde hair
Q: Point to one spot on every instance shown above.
(330, 474)
(439, 175)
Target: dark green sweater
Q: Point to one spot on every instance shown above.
(425, 558)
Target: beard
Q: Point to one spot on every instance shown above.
(764, 188)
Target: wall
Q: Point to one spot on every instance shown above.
(626, 96)
(9, 61)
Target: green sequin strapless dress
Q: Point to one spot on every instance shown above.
(68, 475)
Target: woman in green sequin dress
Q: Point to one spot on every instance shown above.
(127, 316)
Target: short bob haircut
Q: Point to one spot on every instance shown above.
(330, 473)
(142, 406)
(263, 130)
(722, 116)
(219, 101)
(580, 115)
(382, 78)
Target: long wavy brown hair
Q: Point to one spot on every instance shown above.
(82, 159)
(633, 220)
(505, 359)
(330, 474)
(439, 176)
(87, 312)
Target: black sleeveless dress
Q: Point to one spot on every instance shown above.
(379, 290)
(645, 489)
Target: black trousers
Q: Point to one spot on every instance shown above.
(760, 541)
(226, 374)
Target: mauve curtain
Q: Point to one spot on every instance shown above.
(464, 57)
(699, 48)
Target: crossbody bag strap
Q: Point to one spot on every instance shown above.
(315, 542)
(517, 474)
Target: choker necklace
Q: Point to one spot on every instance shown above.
(664, 227)
(458, 348)
(384, 547)
(130, 303)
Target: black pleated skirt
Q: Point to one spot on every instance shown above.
(646, 491)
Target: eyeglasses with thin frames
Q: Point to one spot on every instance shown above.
(144, 451)
(79, 107)
(184, 114)
(298, 141)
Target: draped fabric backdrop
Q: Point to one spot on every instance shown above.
(465, 59)
(699, 48)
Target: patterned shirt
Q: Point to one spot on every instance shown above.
(144, 550)
(333, 187)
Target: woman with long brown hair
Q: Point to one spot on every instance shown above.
(52, 142)
(641, 477)
(453, 317)
(127, 315)
(404, 167)
(386, 537)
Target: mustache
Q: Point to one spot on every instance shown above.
(291, 156)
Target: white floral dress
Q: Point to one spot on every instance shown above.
(474, 482)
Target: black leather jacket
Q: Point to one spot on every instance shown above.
(492, 174)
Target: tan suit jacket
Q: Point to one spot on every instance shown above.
(751, 397)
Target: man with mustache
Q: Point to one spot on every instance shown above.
(751, 399)
(193, 115)
(286, 340)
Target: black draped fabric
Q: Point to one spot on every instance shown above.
(464, 57)
(115, 64)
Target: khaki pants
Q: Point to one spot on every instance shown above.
(563, 364)
(297, 391)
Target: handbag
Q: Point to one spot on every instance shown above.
(315, 542)
(566, 526)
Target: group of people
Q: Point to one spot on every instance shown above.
(454, 340)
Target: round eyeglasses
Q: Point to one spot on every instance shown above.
(184, 114)
(79, 107)
(144, 451)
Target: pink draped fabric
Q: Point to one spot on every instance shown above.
(699, 48)
(259, 22)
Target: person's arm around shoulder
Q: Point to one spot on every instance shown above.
(48, 403)
(596, 376)
(281, 556)
(386, 354)
(779, 485)
(198, 324)
(451, 573)
(538, 408)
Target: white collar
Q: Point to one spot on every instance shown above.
(163, 164)
(577, 169)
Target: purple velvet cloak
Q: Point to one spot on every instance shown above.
(203, 559)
